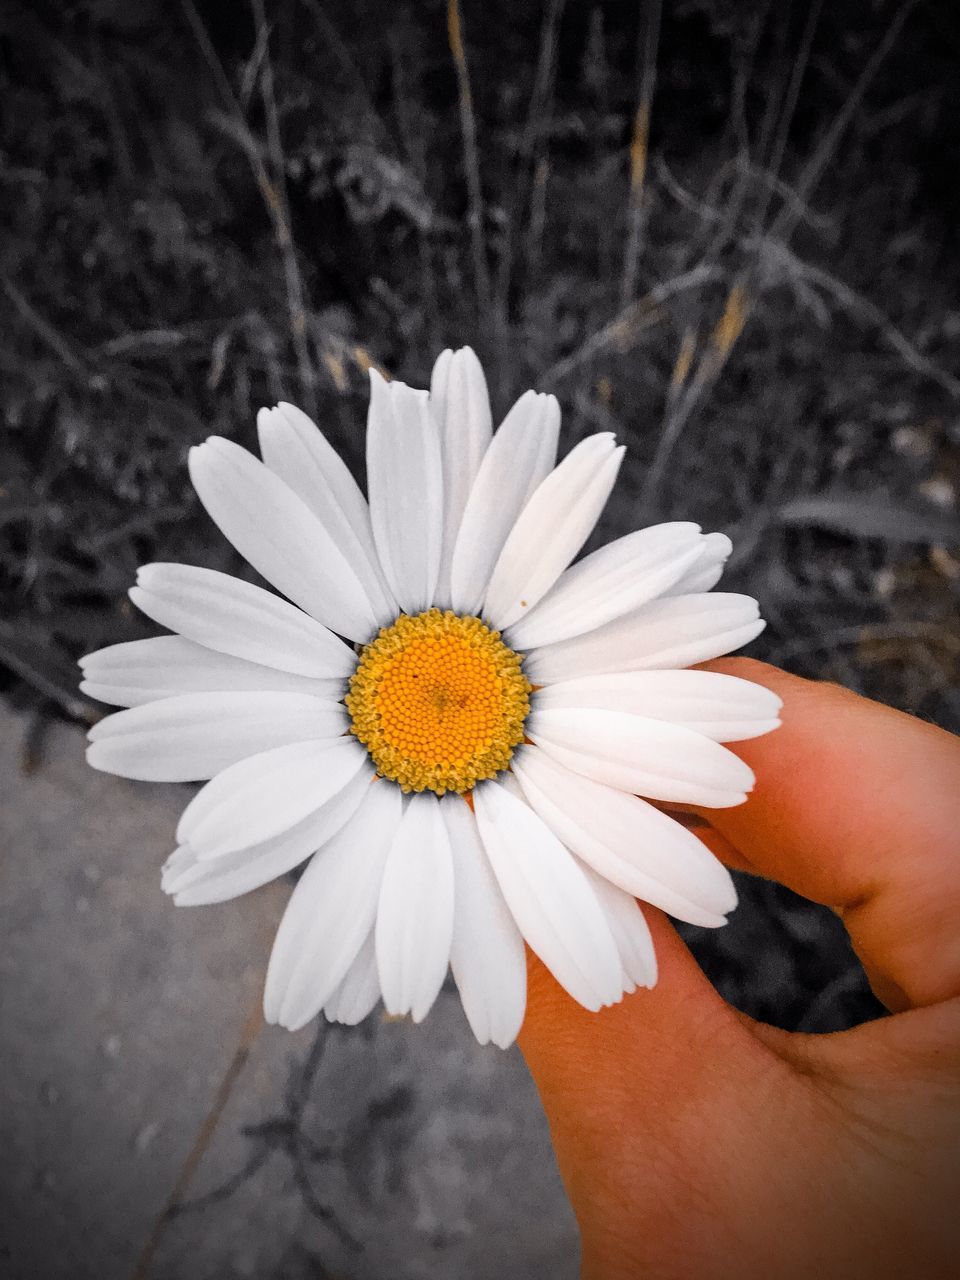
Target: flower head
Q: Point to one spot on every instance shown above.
(453, 721)
(439, 701)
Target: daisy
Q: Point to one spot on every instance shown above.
(452, 720)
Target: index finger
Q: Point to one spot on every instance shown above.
(856, 806)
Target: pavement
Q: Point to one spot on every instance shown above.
(153, 1128)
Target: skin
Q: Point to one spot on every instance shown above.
(697, 1144)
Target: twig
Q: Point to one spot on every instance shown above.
(822, 222)
(790, 100)
(248, 1035)
(680, 406)
(118, 133)
(280, 208)
(143, 522)
(274, 194)
(542, 85)
(709, 213)
(537, 219)
(747, 48)
(528, 163)
(858, 305)
(743, 292)
(741, 166)
(35, 739)
(144, 339)
(252, 66)
(686, 199)
(228, 1187)
(299, 1095)
(52, 676)
(777, 75)
(639, 150)
(468, 126)
(786, 221)
(681, 367)
(330, 33)
(633, 319)
(411, 141)
(42, 327)
(210, 56)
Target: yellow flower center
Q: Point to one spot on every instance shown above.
(439, 701)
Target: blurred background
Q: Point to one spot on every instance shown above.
(725, 231)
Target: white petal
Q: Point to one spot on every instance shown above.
(359, 991)
(181, 862)
(552, 528)
(615, 580)
(721, 707)
(628, 841)
(652, 758)
(235, 617)
(548, 894)
(487, 956)
(280, 537)
(708, 570)
(195, 735)
(405, 482)
(439, 382)
(141, 671)
(267, 794)
(295, 449)
(195, 881)
(630, 932)
(521, 455)
(460, 405)
(672, 632)
(331, 912)
(415, 915)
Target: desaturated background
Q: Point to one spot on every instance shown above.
(725, 231)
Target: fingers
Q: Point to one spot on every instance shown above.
(567, 1046)
(632, 1090)
(857, 806)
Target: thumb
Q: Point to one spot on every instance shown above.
(642, 1072)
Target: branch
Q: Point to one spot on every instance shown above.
(280, 208)
(468, 125)
(632, 319)
(639, 150)
(858, 305)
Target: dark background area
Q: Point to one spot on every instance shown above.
(726, 231)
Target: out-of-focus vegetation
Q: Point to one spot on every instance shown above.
(720, 229)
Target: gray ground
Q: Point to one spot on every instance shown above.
(121, 1018)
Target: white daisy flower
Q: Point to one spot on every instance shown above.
(452, 723)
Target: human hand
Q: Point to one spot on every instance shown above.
(697, 1144)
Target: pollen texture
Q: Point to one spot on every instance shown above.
(439, 701)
